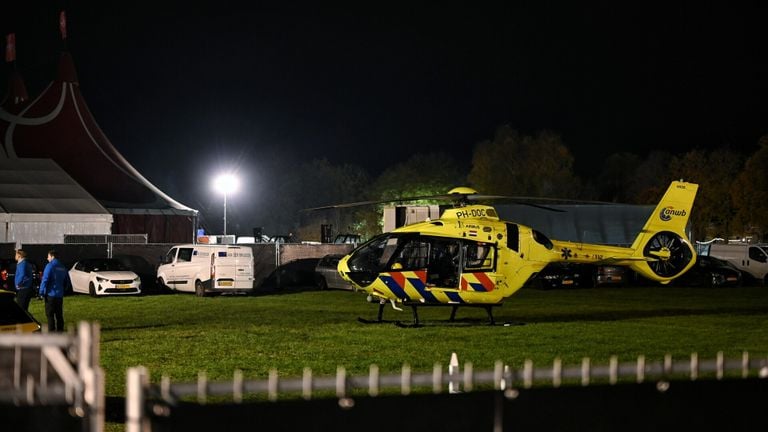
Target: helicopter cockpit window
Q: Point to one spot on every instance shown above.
(389, 249)
(372, 256)
(479, 256)
(542, 239)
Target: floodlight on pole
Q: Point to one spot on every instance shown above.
(225, 184)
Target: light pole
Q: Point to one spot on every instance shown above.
(225, 184)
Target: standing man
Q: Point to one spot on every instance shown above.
(55, 280)
(23, 280)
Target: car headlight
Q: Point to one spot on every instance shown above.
(137, 279)
(101, 279)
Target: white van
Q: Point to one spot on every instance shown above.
(749, 258)
(203, 269)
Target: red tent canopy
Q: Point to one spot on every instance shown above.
(58, 125)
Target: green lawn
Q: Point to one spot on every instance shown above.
(179, 335)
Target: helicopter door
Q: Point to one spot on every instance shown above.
(478, 265)
(444, 263)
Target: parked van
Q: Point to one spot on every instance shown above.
(203, 269)
(749, 258)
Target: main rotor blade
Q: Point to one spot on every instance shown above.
(392, 200)
(464, 199)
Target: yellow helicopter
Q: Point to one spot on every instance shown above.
(470, 258)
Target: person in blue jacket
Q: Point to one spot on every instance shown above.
(55, 281)
(23, 280)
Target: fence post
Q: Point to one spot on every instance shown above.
(453, 374)
(277, 264)
(91, 373)
(136, 383)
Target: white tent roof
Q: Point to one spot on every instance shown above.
(40, 186)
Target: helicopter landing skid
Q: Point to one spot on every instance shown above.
(379, 319)
(414, 308)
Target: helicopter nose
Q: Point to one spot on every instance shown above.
(343, 268)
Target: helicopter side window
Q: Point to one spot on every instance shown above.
(542, 239)
(414, 255)
(479, 256)
(513, 237)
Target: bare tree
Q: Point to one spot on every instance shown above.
(750, 194)
(516, 164)
(715, 172)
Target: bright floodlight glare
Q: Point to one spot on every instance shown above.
(225, 184)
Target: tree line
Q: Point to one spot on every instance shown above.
(731, 201)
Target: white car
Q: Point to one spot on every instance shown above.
(103, 276)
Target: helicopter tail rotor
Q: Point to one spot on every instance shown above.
(668, 254)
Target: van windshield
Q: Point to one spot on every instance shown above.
(170, 256)
(758, 254)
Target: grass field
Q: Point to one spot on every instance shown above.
(179, 335)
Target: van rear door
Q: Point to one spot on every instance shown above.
(234, 269)
(244, 268)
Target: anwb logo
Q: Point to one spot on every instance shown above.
(667, 213)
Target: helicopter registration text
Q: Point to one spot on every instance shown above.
(472, 213)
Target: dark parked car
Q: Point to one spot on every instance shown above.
(282, 239)
(327, 276)
(7, 273)
(347, 239)
(710, 272)
(13, 318)
(558, 275)
(613, 275)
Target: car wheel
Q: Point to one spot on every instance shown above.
(199, 289)
(91, 290)
(321, 283)
(161, 286)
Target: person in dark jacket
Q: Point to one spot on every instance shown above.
(23, 280)
(55, 281)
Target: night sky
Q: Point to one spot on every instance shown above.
(204, 88)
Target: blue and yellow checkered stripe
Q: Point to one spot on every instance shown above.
(411, 286)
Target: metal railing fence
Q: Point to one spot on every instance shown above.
(105, 238)
(452, 379)
(47, 369)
